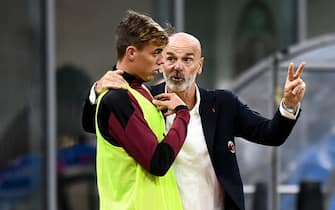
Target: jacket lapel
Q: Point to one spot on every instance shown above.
(208, 112)
(157, 89)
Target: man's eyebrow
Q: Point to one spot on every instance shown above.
(158, 50)
(187, 54)
(190, 54)
(170, 53)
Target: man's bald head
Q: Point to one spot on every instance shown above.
(182, 62)
(183, 39)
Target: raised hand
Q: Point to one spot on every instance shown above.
(111, 79)
(167, 101)
(294, 89)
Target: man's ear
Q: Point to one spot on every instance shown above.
(201, 62)
(131, 53)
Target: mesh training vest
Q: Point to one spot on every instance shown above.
(122, 183)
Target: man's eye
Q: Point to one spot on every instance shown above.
(188, 60)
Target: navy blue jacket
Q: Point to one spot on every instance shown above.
(224, 117)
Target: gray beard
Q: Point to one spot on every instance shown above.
(179, 87)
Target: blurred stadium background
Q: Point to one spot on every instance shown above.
(51, 52)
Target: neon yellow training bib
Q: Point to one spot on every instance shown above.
(122, 183)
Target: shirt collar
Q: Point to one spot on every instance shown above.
(131, 79)
(197, 101)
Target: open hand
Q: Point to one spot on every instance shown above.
(111, 79)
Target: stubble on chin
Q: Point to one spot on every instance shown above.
(176, 87)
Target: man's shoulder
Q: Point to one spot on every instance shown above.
(221, 98)
(116, 93)
(115, 97)
(217, 93)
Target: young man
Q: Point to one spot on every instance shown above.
(134, 152)
(206, 168)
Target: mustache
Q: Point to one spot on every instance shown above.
(177, 74)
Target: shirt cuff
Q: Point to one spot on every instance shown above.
(93, 97)
(179, 107)
(289, 113)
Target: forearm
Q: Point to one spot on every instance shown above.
(167, 151)
(279, 129)
(264, 131)
(88, 115)
(256, 128)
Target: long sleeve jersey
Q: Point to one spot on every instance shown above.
(122, 123)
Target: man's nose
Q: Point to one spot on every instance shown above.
(160, 59)
(178, 65)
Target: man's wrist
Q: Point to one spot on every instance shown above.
(290, 109)
(289, 112)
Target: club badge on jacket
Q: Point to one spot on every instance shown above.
(231, 146)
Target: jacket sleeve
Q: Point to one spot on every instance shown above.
(254, 127)
(88, 116)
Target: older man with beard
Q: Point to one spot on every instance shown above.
(206, 168)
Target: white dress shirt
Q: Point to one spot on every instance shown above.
(198, 185)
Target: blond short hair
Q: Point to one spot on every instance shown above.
(138, 30)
